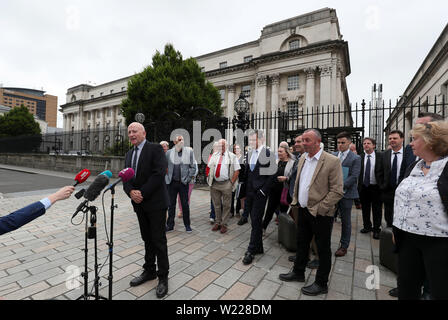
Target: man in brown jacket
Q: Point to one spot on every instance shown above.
(318, 188)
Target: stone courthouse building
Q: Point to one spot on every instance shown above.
(296, 64)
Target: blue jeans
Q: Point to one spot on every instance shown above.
(345, 212)
(212, 210)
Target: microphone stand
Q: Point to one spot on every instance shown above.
(111, 243)
(90, 233)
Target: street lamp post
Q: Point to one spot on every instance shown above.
(241, 118)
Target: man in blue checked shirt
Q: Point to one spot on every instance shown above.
(27, 214)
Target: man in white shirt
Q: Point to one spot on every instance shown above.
(317, 190)
(222, 179)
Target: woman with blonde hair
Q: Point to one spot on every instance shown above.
(421, 215)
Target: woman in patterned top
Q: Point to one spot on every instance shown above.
(421, 215)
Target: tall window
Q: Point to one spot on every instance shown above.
(247, 59)
(294, 44)
(293, 108)
(89, 115)
(246, 90)
(293, 82)
(222, 93)
(222, 64)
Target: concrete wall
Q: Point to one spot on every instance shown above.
(73, 164)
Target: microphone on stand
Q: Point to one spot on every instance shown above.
(81, 192)
(93, 191)
(124, 176)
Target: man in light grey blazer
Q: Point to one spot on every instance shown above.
(351, 166)
(182, 168)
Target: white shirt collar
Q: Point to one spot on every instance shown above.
(317, 155)
(399, 151)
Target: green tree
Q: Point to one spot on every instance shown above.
(19, 121)
(169, 84)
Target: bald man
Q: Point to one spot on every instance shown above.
(149, 196)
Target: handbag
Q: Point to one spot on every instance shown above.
(284, 197)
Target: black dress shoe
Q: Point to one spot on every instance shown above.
(248, 258)
(292, 276)
(365, 230)
(162, 288)
(292, 258)
(393, 292)
(145, 276)
(376, 235)
(242, 221)
(314, 289)
(313, 264)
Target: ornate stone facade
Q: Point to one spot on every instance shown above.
(299, 58)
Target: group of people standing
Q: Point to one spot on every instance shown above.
(315, 187)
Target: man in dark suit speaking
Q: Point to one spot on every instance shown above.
(149, 196)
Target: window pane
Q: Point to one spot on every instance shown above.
(293, 82)
(247, 59)
(294, 44)
(246, 90)
(293, 108)
(223, 65)
(222, 93)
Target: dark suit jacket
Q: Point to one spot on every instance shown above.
(386, 168)
(21, 217)
(262, 176)
(150, 178)
(408, 159)
(378, 160)
(352, 162)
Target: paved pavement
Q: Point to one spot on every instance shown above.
(42, 259)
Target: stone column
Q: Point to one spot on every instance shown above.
(310, 90)
(325, 92)
(260, 104)
(338, 93)
(66, 122)
(275, 83)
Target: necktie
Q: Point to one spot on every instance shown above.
(393, 172)
(253, 160)
(218, 168)
(134, 161)
(367, 172)
(341, 156)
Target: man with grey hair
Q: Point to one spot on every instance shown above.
(317, 190)
(182, 168)
(223, 179)
(149, 196)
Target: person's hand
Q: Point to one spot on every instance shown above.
(281, 178)
(136, 196)
(61, 194)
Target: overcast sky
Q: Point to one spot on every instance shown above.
(56, 45)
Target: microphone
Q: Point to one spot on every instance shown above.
(95, 188)
(124, 176)
(81, 177)
(81, 192)
(107, 173)
(93, 191)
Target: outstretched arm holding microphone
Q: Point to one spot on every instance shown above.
(27, 214)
